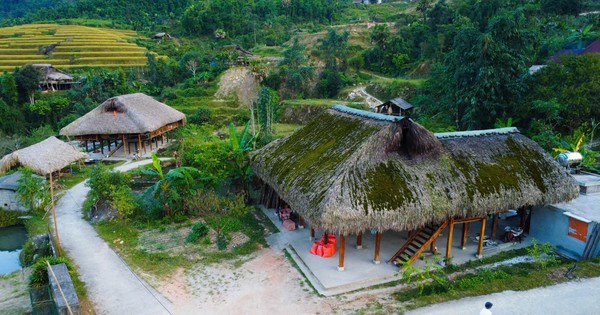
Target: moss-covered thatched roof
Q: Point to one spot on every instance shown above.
(125, 114)
(43, 157)
(350, 170)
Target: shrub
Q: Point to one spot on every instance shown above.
(198, 230)
(201, 116)
(39, 273)
(8, 218)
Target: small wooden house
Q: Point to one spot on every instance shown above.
(54, 79)
(350, 171)
(395, 107)
(128, 120)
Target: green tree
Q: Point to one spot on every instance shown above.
(294, 71)
(266, 109)
(334, 51)
(8, 89)
(484, 69)
(27, 79)
(33, 191)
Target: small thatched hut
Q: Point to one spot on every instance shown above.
(351, 170)
(54, 79)
(44, 157)
(136, 119)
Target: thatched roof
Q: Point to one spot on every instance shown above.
(43, 157)
(351, 170)
(125, 114)
(51, 74)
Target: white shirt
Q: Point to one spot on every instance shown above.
(485, 311)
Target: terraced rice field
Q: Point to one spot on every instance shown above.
(78, 46)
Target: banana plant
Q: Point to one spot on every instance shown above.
(173, 186)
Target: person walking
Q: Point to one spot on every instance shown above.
(486, 309)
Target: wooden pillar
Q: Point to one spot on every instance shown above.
(300, 222)
(449, 241)
(124, 146)
(465, 233)
(377, 247)
(312, 233)
(144, 146)
(481, 237)
(86, 146)
(94, 145)
(523, 219)
(162, 139)
(341, 254)
(359, 240)
(102, 146)
(140, 143)
(433, 246)
(494, 226)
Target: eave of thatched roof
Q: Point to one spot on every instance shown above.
(126, 114)
(344, 172)
(43, 157)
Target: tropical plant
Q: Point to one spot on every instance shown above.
(241, 144)
(32, 190)
(173, 187)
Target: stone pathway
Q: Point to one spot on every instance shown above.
(111, 285)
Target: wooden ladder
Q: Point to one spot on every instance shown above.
(417, 243)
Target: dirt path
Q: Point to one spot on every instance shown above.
(111, 285)
(360, 92)
(265, 284)
(575, 297)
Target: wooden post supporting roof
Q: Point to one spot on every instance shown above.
(124, 145)
(312, 233)
(449, 241)
(494, 226)
(465, 232)
(481, 237)
(359, 240)
(341, 254)
(377, 247)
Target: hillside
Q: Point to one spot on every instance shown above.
(77, 46)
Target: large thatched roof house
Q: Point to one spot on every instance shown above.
(44, 157)
(132, 118)
(351, 170)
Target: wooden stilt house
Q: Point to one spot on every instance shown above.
(134, 121)
(351, 171)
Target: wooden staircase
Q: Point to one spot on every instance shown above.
(418, 243)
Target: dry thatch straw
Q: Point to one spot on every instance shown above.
(44, 157)
(349, 171)
(125, 114)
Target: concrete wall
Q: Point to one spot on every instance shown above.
(10, 201)
(549, 224)
(66, 285)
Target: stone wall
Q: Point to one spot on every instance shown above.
(66, 285)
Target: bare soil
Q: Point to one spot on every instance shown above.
(265, 283)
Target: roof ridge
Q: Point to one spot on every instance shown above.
(476, 133)
(365, 114)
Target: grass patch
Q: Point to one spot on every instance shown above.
(8, 218)
(518, 277)
(123, 237)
